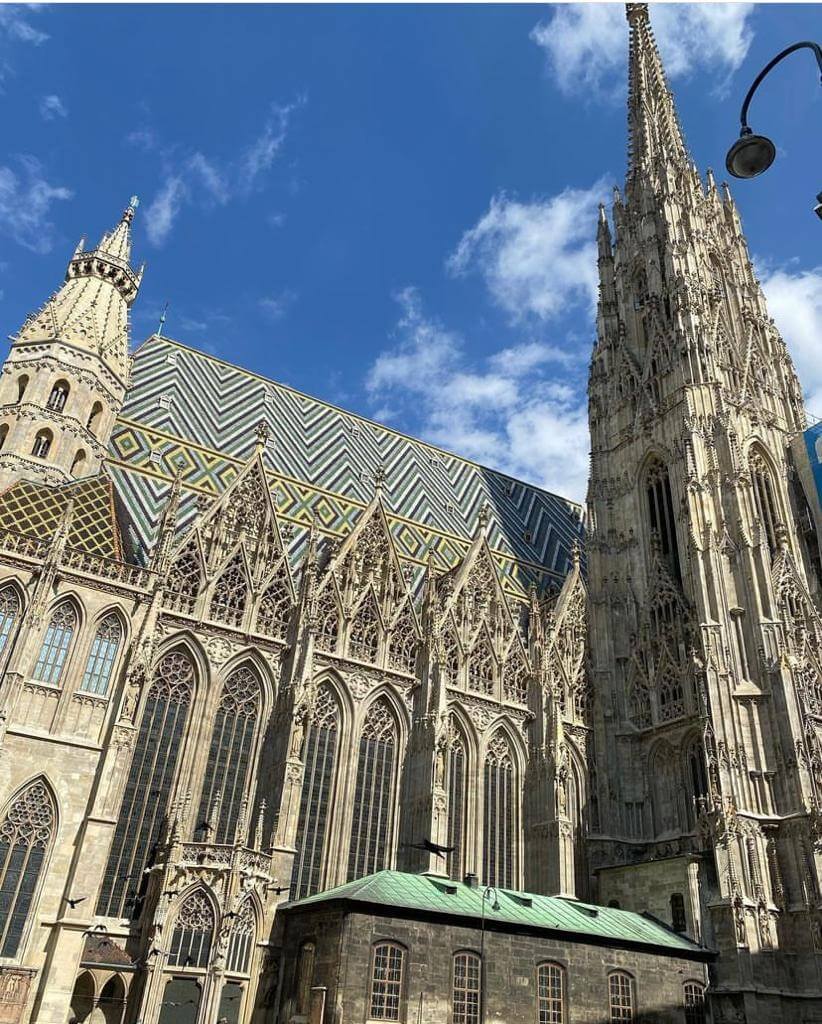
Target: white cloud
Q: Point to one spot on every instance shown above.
(25, 205)
(199, 180)
(52, 107)
(586, 44)
(162, 211)
(276, 306)
(507, 410)
(14, 26)
(795, 302)
(537, 258)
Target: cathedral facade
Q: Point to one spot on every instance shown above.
(255, 647)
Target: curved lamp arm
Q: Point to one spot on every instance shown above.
(817, 49)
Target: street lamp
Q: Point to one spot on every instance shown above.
(486, 894)
(752, 154)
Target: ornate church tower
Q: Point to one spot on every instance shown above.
(705, 642)
(67, 372)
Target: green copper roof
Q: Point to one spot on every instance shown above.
(436, 895)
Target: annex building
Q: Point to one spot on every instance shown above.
(261, 658)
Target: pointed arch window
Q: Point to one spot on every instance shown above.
(102, 655)
(54, 650)
(402, 653)
(765, 499)
(79, 464)
(231, 593)
(22, 384)
(241, 941)
(94, 417)
(320, 760)
(328, 620)
(193, 932)
(4, 433)
(184, 579)
(499, 817)
(451, 657)
(515, 680)
(481, 669)
(364, 641)
(639, 701)
(9, 610)
(274, 612)
(670, 694)
(661, 515)
(25, 835)
(457, 804)
(148, 785)
(374, 793)
(229, 758)
(42, 444)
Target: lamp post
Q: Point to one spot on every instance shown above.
(486, 894)
(752, 154)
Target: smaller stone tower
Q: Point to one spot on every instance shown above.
(67, 372)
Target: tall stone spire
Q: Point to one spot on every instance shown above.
(656, 146)
(67, 372)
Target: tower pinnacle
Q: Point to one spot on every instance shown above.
(656, 146)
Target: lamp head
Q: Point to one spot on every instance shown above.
(750, 155)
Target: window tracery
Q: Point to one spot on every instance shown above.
(499, 814)
(100, 663)
(515, 679)
(661, 515)
(319, 761)
(149, 784)
(54, 650)
(231, 593)
(185, 578)
(371, 833)
(457, 804)
(765, 499)
(402, 652)
(364, 639)
(25, 835)
(241, 941)
(229, 757)
(193, 932)
(328, 620)
(670, 694)
(274, 612)
(9, 609)
(481, 669)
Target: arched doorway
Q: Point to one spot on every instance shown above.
(82, 999)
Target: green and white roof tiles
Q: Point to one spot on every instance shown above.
(189, 412)
(432, 894)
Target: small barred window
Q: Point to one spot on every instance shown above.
(550, 994)
(694, 1003)
(621, 997)
(386, 981)
(466, 988)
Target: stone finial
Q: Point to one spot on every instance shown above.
(484, 517)
(262, 433)
(379, 478)
(636, 13)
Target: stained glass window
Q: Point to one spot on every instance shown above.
(101, 657)
(56, 643)
(374, 793)
(499, 815)
(312, 825)
(25, 833)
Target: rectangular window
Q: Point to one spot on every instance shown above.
(550, 994)
(386, 982)
(466, 988)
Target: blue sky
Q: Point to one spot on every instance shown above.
(392, 208)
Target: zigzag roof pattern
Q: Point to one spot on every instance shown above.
(192, 413)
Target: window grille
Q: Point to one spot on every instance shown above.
(466, 988)
(661, 515)
(694, 1003)
(481, 669)
(101, 657)
(58, 396)
(230, 593)
(241, 941)
(678, 921)
(374, 794)
(229, 757)
(550, 994)
(386, 982)
(9, 607)
(499, 817)
(621, 997)
(25, 834)
(193, 932)
(318, 778)
(456, 804)
(148, 785)
(56, 643)
(274, 612)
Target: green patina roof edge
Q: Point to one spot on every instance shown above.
(426, 894)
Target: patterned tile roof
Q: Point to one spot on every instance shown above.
(36, 510)
(190, 412)
(434, 894)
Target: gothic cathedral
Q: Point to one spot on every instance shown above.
(254, 647)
